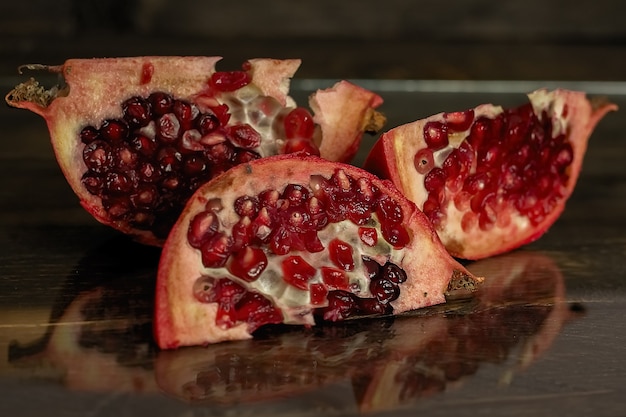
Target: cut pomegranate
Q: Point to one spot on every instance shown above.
(491, 179)
(136, 136)
(304, 256)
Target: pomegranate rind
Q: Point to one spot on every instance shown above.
(392, 157)
(345, 111)
(180, 319)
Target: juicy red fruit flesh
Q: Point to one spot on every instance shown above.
(289, 225)
(510, 161)
(146, 164)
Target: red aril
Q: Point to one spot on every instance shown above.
(136, 136)
(307, 256)
(491, 179)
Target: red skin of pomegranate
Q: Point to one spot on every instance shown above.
(397, 156)
(181, 319)
(96, 88)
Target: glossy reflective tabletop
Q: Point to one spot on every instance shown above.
(545, 336)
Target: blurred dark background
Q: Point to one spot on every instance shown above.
(428, 39)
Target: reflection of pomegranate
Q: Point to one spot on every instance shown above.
(99, 337)
(284, 239)
(389, 362)
(491, 179)
(136, 136)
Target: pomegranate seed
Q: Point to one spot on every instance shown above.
(297, 272)
(358, 212)
(185, 112)
(207, 123)
(492, 156)
(202, 227)
(341, 305)
(125, 158)
(117, 183)
(92, 183)
(225, 316)
(244, 136)
(312, 242)
(469, 221)
(459, 121)
(435, 180)
(204, 289)
(117, 208)
(88, 134)
(384, 290)
(269, 198)
(342, 181)
(221, 111)
(431, 204)
(395, 234)
(301, 146)
(296, 194)
(228, 291)
(247, 206)
(243, 155)
(97, 156)
(220, 153)
(366, 191)
(299, 124)
(195, 165)
(372, 268)
(168, 128)
(388, 210)
(114, 131)
(256, 310)
(242, 233)
(161, 103)
(477, 182)
(144, 197)
(147, 70)
(137, 111)
(191, 140)
(480, 132)
(143, 144)
(394, 273)
(341, 254)
(368, 235)
(226, 81)
(436, 135)
(147, 172)
(169, 159)
(248, 263)
(216, 250)
(424, 161)
(318, 294)
(564, 156)
(478, 201)
(334, 278)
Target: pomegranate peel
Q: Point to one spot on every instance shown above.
(491, 179)
(303, 214)
(134, 137)
(353, 109)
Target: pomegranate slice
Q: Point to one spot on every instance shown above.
(294, 221)
(136, 136)
(491, 179)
